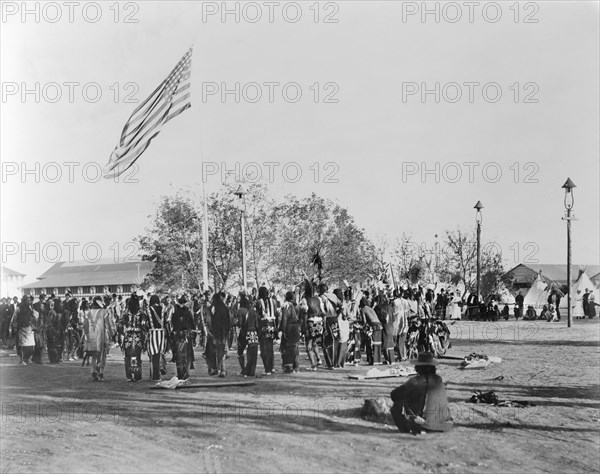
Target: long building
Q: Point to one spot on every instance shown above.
(89, 279)
(524, 274)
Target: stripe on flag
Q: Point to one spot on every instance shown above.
(167, 101)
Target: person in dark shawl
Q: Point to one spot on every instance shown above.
(267, 326)
(60, 328)
(53, 334)
(132, 325)
(182, 322)
(519, 303)
(591, 311)
(39, 328)
(240, 317)
(157, 339)
(217, 326)
(290, 330)
(9, 328)
(421, 403)
(83, 310)
(384, 312)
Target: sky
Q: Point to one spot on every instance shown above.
(406, 117)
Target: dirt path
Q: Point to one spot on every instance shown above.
(54, 419)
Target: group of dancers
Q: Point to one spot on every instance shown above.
(335, 327)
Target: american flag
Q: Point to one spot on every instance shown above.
(167, 101)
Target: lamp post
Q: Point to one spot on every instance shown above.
(240, 193)
(478, 219)
(569, 201)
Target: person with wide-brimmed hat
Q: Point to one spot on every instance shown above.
(421, 403)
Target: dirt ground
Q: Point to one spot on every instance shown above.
(55, 419)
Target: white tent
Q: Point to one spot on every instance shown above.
(506, 297)
(577, 291)
(537, 296)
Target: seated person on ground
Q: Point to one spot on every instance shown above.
(421, 403)
(530, 314)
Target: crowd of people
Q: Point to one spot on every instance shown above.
(336, 328)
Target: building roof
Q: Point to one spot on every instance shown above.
(10, 272)
(558, 272)
(74, 274)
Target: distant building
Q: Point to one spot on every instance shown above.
(523, 275)
(10, 282)
(90, 279)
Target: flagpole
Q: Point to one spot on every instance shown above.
(204, 235)
(205, 215)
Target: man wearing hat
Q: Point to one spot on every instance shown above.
(421, 403)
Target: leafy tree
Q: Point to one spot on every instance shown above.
(224, 237)
(314, 225)
(281, 240)
(493, 275)
(173, 243)
(260, 234)
(406, 257)
(381, 259)
(459, 263)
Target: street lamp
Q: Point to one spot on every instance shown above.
(240, 193)
(478, 219)
(569, 201)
